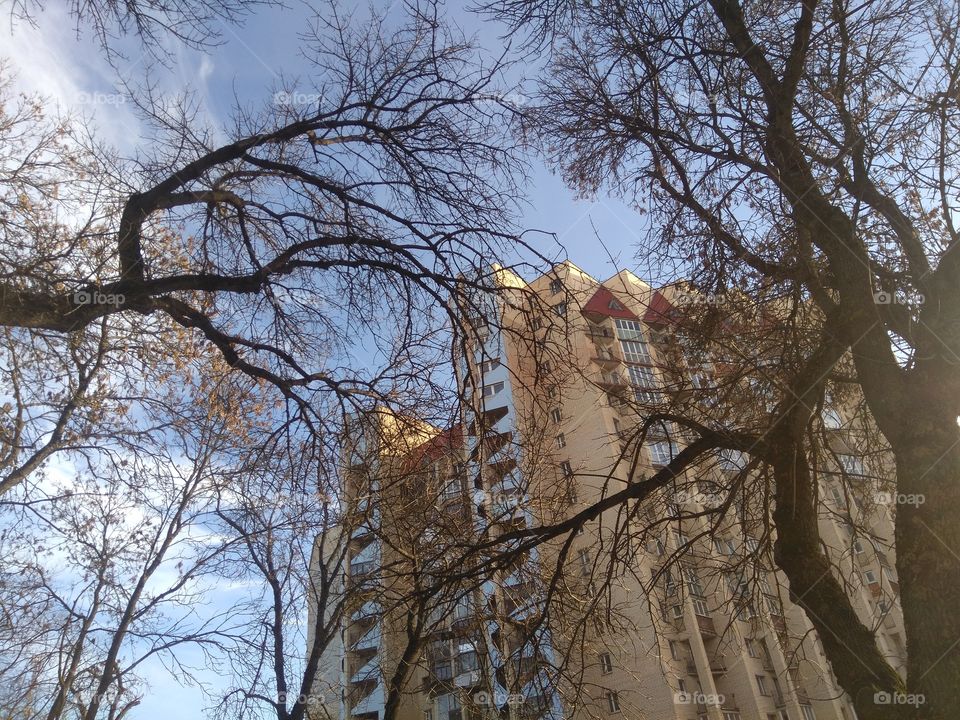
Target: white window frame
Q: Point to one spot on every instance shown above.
(606, 663)
(635, 351)
(493, 389)
(613, 702)
(489, 365)
(700, 607)
(662, 451)
(629, 329)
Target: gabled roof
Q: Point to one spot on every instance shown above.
(441, 444)
(605, 303)
(660, 311)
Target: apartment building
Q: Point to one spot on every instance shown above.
(654, 609)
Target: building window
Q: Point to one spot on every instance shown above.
(851, 465)
(838, 497)
(606, 663)
(462, 608)
(808, 713)
(693, 583)
(832, 419)
(467, 659)
(700, 607)
(556, 415)
(762, 685)
(635, 351)
(428, 715)
(566, 468)
(560, 309)
(738, 585)
(488, 365)
(453, 488)
(561, 441)
(858, 547)
(752, 650)
(449, 706)
(492, 389)
(675, 652)
(732, 460)
(662, 452)
(584, 557)
(629, 329)
(644, 384)
(870, 576)
(613, 702)
(555, 287)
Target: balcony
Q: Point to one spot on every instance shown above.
(718, 666)
(730, 703)
(606, 360)
(369, 671)
(370, 640)
(598, 332)
(467, 679)
(368, 611)
(371, 703)
(706, 626)
(362, 572)
(364, 529)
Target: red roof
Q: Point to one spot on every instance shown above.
(660, 311)
(604, 303)
(439, 445)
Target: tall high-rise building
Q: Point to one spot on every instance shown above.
(664, 608)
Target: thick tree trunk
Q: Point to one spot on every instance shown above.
(928, 559)
(849, 645)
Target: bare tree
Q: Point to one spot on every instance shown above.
(805, 151)
(153, 23)
(266, 286)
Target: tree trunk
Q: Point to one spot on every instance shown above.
(849, 645)
(928, 558)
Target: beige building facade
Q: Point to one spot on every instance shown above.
(657, 609)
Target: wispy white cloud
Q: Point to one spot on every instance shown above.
(49, 59)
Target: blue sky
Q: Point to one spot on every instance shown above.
(49, 58)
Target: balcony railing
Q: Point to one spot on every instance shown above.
(706, 626)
